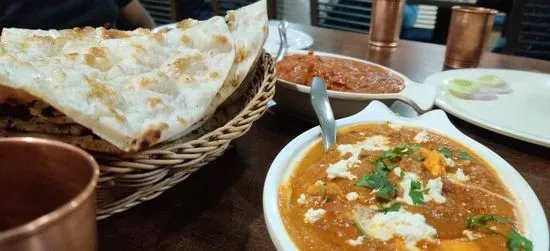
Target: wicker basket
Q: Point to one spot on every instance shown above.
(129, 179)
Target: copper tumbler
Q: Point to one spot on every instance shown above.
(47, 198)
(385, 22)
(469, 32)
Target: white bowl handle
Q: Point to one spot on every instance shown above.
(376, 110)
(420, 96)
(436, 119)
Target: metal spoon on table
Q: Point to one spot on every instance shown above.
(283, 46)
(321, 106)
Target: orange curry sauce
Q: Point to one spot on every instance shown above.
(429, 157)
(339, 73)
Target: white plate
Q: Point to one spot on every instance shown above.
(530, 210)
(523, 114)
(297, 40)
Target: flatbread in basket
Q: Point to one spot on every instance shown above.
(124, 91)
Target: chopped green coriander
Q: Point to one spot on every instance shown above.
(445, 151)
(482, 219)
(401, 149)
(464, 156)
(418, 158)
(360, 227)
(390, 155)
(393, 208)
(323, 191)
(517, 242)
(416, 193)
(373, 160)
(378, 181)
(401, 175)
(415, 148)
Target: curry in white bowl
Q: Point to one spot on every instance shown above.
(386, 187)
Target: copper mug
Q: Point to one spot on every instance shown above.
(385, 22)
(47, 195)
(469, 32)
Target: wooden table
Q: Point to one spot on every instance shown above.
(220, 206)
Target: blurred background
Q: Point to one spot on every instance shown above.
(522, 27)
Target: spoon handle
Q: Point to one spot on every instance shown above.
(283, 46)
(321, 105)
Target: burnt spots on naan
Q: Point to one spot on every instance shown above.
(153, 102)
(99, 91)
(181, 120)
(164, 30)
(219, 38)
(119, 117)
(112, 34)
(138, 48)
(180, 64)
(213, 75)
(240, 53)
(97, 52)
(186, 24)
(145, 82)
(185, 39)
(157, 36)
(152, 134)
(230, 19)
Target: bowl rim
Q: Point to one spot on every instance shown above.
(347, 95)
(529, 207)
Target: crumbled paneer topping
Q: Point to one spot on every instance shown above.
(448, 161)
(421, 137)
(435, 188)
(356, 242)
(405, 184)
(340, 170)
(302, 199)
(320, 183)
(411, 227)
(313, 215)
(352, 196)
(394, 126)
(459, 176)
(470, 235)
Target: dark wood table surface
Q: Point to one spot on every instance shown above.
(220, 206)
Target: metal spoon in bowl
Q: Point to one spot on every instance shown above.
(283, 46)
(321, 105)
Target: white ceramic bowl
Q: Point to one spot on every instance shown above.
(295, 99)
(531, 212)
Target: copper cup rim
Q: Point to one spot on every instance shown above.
(43, 221)
(475, 10)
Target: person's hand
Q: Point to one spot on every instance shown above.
(133, 15)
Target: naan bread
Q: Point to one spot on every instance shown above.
(248, 25)
(133, 89)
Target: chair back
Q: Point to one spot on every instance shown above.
(528, 30)
(349, 15)
(162, 11)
